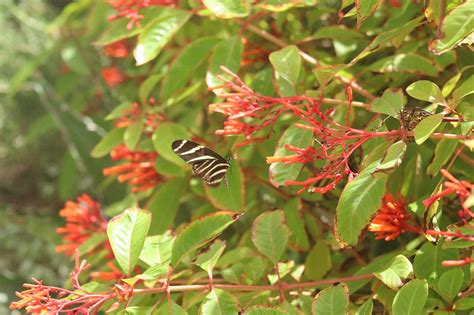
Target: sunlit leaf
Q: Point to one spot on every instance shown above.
(426, 91)
(228, 54)
(426, 127)
(393, 274)
(390, 103)
(207, 259)
(219, 302)
(411, 298)
(112, 139)
(286, 64)
(331, 301)
(157, 249)
(270, 235)
(228, 9)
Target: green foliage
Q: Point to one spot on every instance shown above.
(306, 100)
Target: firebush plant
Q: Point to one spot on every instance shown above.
(348, 127)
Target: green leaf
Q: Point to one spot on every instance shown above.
(119, 111)
(337, 32)
(390, 103)
(157, 250)
(400, 268)
(411, 298)
(112, 139)
(270, 234)
(231, 197)
(449, 284)
(164, 136)
(426, 91)
(185, 65)
(456, 26)
(464, 304)
(133, 134)
(175, 309)
(147, 86)
(265, 310)
(465, 89)
(127, 233)
(280, 172)
(157, 34)
(286, 63)
(359, 201)
(228, 9)
(427, 263)
(153, 273)
(331, 301)
(392, 157)
(138, 310)
(443, 152)
(200, 232)
(295, 222)
(366, 8)
(324, 74)
(449, 86)
(167, 168)
(219, 302)
(318, 262)
(283, 5)
(164, 204)
(409, 63)
(366, 308)
(227, 53)
(426, 127)
(207, 259)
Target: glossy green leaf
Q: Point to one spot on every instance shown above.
(138, 310)
(164, 309)
(359, 201)
(366, 8)
(153, 273)
(331, 301)
(127, 233)
(265, 310)
(449, 284)
(232, 196)
(200, 232)
(228, 9)
(427, 263)
(280, 172)
(398, 269)
(157, 34)
(443, 152)
(294, 220)
(392, 157)
(283, 5)
(157, 250)
(366, 308)
(465, 89)
(185, 65)
(119, 111)
(390, 103)
(426, 127)
(207, 259)
(228, 54)
(449, 86)
(164, 204)
(286, 63)
(168, 168)
(133, 134)
(112, 139)
(324, 74)
(410, 63)
(464, 304)
(456, 26)
(164, 136)
(270, 234)
(337, 32)
(426, 91)
(147, 86)
(411, 298)
(219, 302)
(318, 262)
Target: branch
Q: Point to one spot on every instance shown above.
(305, 56)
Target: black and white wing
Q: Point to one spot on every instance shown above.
(207, 164)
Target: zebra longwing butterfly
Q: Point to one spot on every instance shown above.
(207, 164)
(410, 117)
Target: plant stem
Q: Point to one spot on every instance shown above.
(241, 287)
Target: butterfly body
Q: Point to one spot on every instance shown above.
(207, 164)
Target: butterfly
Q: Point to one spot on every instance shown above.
(207, 164)
(410, 117)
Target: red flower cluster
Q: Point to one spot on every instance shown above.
(392, 220)
(112, 76)
(118, 49)
(42, 299)
(129, 9)
(249, 112)
(83, 220)
(138, 171)
(151, 120)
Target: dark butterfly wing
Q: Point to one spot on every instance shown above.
(410, 117)
(207, 164)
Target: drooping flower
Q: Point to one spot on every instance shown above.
(130, 9)
(392, 220)
(83, 219)
(118, 49)
(112, 76)
(138, 170)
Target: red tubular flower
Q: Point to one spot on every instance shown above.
(456, 263)
(112, 76)
(83, 220)
(151, 120)
(392, 220)
(138, 171)
(118, 49)
(114, 274)
(129, 9)
(249, 112)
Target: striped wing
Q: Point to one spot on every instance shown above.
(207, 164)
